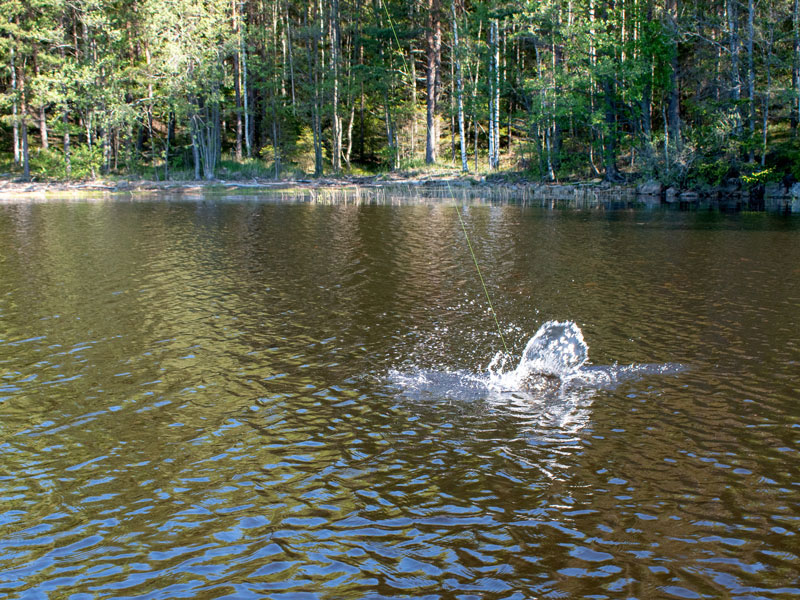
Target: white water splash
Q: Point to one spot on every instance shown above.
(553, 365)
(553, 356)
(549, 392)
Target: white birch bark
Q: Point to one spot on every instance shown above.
(459, 91)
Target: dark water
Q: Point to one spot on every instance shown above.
(201, 400)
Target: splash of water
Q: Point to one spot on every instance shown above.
(552, 368)
(553, 356)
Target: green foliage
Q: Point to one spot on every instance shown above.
(301, 152)
(586, 83)
(50, 164)
(248, 168)
(712, 171)
(759, 176)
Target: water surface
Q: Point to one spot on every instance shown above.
(201, 400)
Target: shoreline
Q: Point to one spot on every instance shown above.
(392, 187)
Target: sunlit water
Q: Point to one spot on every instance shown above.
(255, 400)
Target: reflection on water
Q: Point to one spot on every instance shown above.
(290, 401)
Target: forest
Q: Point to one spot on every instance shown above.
(685, 93)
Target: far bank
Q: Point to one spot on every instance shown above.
(773, 197)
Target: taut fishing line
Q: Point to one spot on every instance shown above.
(458, 212)
(480, 276)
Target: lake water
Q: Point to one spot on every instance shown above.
(217, 399)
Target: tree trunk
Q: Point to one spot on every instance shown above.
(14, 110)
(276, 157)
(494, 95)
(733, 41)
(391, 138)
(674, 78)
(336, 150)
(316, 123)
(768, 91)
(195, 148)
(168, 142)
(23, 106)
(289, 45)
(361, 129)
(612, 173)
(65, 118)
(751, 79)
(545, 163)
(43, 128)
(795, 110)
(459, 91)
(555, 136)
(67, 161)
(592, 83)
(206, 137)
(237, 86)
(412, 84)
(489, 73)
(150, 103)
(243, 53)
(42, 110)
(453, 115)
(646, 103)
(496, 99)
(434, 51)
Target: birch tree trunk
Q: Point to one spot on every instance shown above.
(496, 100)
(336, 150)
(150, 103)
(592, 82)
(237, 84)
(316, 122)
(14, 109)
(23, 106)
(494, 95)
(355, 49)
(459, 91)
(490, 71)
(67, 160)
(42, 110)
(243, 54)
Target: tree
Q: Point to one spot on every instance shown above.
(433, 41)
(460, 90)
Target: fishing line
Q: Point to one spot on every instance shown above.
(480, 276)
(458, 212)
(399, 47)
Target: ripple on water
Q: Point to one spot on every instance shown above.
(193, 403)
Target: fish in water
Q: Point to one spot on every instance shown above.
(551, 357)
